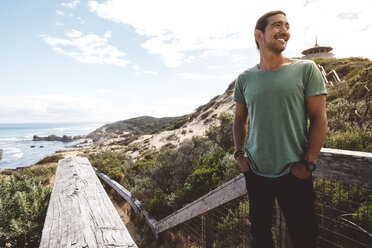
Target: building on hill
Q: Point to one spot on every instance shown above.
(318, 52)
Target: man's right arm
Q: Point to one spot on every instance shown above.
(240, 134)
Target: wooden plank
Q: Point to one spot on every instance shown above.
(348, 167)
(225, 193)
(80, 213)
(135, 204)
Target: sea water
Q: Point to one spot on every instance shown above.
(20, 150)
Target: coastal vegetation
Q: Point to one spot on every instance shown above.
(23, 205)
(24, 198)
(1, 154)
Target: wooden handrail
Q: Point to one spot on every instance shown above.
(349, 167)
(80, 213)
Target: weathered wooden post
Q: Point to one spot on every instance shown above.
(80, 213)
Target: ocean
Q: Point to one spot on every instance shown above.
(17, 145)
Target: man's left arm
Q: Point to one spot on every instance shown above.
(316, 110)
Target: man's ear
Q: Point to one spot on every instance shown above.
(258, 35)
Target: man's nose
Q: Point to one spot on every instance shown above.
(284, 30)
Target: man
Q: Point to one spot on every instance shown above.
(279, 152)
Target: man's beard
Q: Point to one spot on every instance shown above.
(274, 47)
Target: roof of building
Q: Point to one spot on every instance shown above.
(317, 49)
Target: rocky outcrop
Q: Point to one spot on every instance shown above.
(54, 137)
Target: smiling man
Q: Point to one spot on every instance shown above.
(279, 152)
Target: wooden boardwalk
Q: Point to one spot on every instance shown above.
(80, 213)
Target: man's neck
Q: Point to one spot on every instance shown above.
(270, 61)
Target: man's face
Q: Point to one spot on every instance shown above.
(276, 33)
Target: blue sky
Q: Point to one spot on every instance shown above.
(73, 61)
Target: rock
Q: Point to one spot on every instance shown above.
(41, 146)
(32, 146)
(66, 138)
(184, 131)
(53, 137)
(77, 137)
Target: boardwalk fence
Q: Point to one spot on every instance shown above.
(220, 218)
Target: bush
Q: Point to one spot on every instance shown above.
(208, 175)
(223, 134)
(144, 189)
(233, 229)
(115, 165)
(51, 159)
(158, 206)
(355, 141)
(23, 207)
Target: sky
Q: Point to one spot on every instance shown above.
(110, 60)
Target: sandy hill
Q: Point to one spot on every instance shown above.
(144, 133)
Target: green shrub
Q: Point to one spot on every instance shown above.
(115, 165)
(233, 229)
(144, 189)
(158, 206)
(355, 141)
(208, 175)
(23, 206)
(222, 134)
(51, 159)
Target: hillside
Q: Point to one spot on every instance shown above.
(153, 133)
(348, 110)
(135, 127)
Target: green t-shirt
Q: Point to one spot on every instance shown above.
(275, 101)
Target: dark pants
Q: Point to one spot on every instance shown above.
(296, 199)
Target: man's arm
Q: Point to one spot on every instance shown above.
(240, 134)
(316, 110)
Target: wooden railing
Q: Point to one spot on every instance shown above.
(80, 213)
(347, 167)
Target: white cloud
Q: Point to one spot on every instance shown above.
(55, 108)
(215, 67)
(182, 31)
(176, 28)
(164, 107)
(225, 77)
(87, 48)
(71, 5)
(139, 70)
(60, 13)
(80, 20)
(150, 72)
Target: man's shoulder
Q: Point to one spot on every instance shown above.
(249, 71)
(304, 62)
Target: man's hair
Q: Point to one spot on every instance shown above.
(262, 21)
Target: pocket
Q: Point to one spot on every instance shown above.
(301, 179)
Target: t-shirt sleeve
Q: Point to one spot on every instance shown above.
(314, 83)
(238, 92)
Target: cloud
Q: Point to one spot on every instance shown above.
(71, 5)
(308, 2)
(182, 27)
(184, 31)
(80, 20)
(163, 107)
(59, 24)
(225, 77)
(139, 70)
(349, 15)
(87, 48)
(55, 108)
(60, 13)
